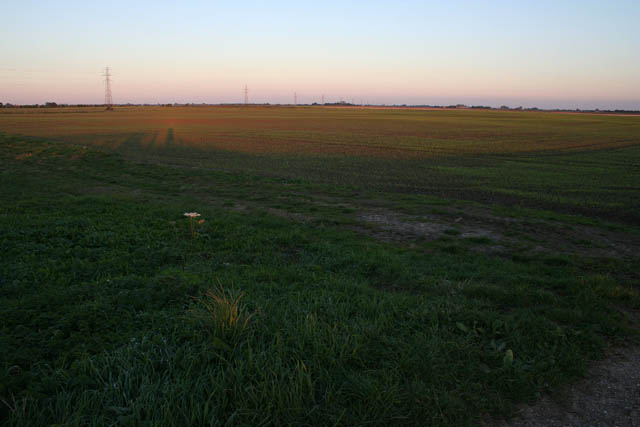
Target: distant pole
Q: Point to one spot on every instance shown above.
(246, 95)
(323, 99)
(108, 100)
(295, 98)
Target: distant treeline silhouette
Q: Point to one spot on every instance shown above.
(330, 104)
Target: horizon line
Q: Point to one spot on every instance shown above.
(53, 104)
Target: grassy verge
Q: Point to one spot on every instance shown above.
(107, 314)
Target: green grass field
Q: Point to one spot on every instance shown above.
(385, 267)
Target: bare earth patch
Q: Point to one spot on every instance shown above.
(609, 396)
(403, 226)
(534, 235)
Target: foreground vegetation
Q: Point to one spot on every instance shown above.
(302, 298)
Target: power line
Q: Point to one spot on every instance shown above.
(108, 100)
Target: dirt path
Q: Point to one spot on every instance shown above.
(609, 396)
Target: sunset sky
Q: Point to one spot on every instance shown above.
(566, 54)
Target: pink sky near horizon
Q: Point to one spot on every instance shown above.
(386, 86)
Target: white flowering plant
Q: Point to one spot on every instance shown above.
(192, 217)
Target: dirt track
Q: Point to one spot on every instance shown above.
(609, 396)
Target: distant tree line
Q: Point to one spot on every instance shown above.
(52, 104)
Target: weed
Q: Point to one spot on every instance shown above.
(192, 216)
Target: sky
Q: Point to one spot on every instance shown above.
(548, 54)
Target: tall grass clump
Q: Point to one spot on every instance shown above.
(223, 313)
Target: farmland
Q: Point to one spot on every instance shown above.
(401, 133)
(577, 163)
(390, 266)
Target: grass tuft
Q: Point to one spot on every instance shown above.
(223, 312)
